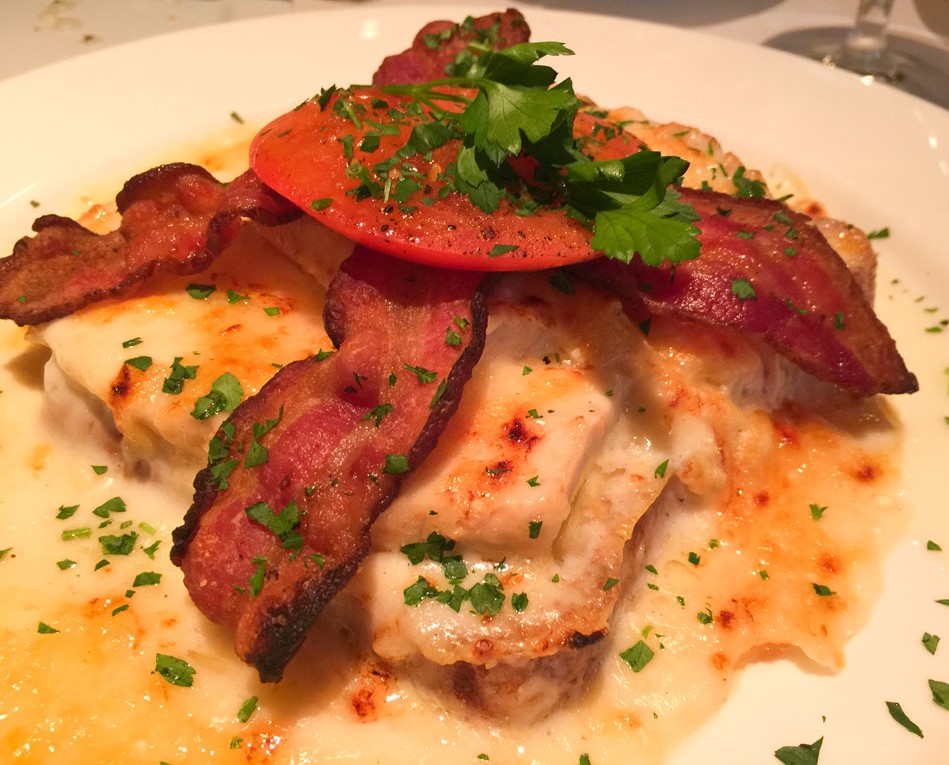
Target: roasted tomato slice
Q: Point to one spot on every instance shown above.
(324, 156)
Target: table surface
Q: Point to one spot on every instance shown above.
(38, 32)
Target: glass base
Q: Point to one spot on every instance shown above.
(908, 64)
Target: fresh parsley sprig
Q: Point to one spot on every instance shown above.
(516, 109)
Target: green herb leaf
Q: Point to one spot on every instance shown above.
(175, 671)
(897, 713)
(802, 754)
(225, 394)
(281, 524)
(637, 656)
(147, 578)
(200, 291)
(247, 709)
(940, 691)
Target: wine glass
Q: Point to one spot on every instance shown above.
(868, 48)
(865, 48)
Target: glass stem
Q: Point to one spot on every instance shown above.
(865, 47)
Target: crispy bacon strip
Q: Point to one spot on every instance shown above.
(175, 218)
(339, 432)
(765, 270)
(438, 42)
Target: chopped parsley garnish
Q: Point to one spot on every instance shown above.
(114, 505)
(141, 363)
(147, 578)
(823, 590)
(880, 233)
(930, 642)
(113, 544)
(742, 289)
(247, 709)
(44, 629)
(281, 524)
(175, 381)
(533, 528)
(516, 109)
(174, 670)
(817, 511)
(661, 468)
(897, 713)
(236, 297)
(66, 511)
(802, 754)
(396, 464)
(637, 656)
(940, 691)
(225, 394)
(200, 291)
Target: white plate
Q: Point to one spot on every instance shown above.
(875, 156)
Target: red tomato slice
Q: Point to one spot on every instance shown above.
(312, 156)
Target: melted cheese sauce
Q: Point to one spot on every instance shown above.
(683, 464)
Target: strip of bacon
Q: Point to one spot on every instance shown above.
(270, 539)
(767, 271)
(438, 42)
(175, 218)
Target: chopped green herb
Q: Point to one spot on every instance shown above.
(80, 533)
(802, 754)
(146, 578)
(236, 297)
(694, 558)
(501, 249)
(533, 528)
(44, 629)
(99, 469)
(132, 342)
(930, 545)
(200, 291)
(940, 691)
(272, 310)
(65, 563)
(817, 511)
(823, 590)
(113, 544)
(519, 601)
(321, 204)
(897, 713)
(225, 394)
(175, 381)
(247, 709)
(113, 505)
(175, 671)
(661, 468)
(742, 289)
(281, 524)
(610, 583)
(637, 656)
(880, 233)
(396, 464)
(705, 617)
(141, 363)
(423, 375)
(65, 511)
(931, 642)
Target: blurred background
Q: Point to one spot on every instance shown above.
(38, 32)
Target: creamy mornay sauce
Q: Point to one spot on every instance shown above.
(707, 586)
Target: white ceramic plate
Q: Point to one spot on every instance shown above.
(873, 155)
